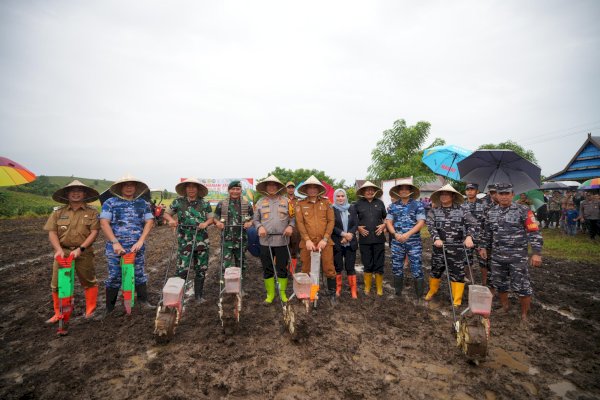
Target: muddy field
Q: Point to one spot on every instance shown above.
(368, 348)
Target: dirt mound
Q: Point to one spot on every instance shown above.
(365, 348)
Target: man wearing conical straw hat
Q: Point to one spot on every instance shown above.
(72, 229)
(192, 216)
(126, 221)
(315, 221)
(371, 213)
(274, 222)
(451, 227)
(405, 218)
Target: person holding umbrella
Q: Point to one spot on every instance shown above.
(450, 227)
(509, 230)
(126, 221)
(72, 229)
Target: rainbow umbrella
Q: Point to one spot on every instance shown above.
(590, 184)
(12, 174)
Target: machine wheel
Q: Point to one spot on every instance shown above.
(165, 324)
(472, 336)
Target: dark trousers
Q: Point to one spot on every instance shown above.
(281, 256)
(593, 228)
(344, 258)
(372, 257)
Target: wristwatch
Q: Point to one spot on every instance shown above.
(82, 248)
(114, 241)
(326, 239)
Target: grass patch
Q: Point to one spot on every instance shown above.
(574, 248)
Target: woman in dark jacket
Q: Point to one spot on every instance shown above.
(344, 239)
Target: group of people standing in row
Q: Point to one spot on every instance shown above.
(500, 230)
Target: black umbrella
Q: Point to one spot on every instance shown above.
(554, 186)
(485, 167)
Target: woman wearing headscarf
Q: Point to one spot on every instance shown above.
(344, 241)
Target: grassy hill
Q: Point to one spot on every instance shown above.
(35, 199)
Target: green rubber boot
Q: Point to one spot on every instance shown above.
(282, 286)
(270, 286)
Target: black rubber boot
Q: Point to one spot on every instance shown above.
(419, 285)
(111, 300)
(331, 286)
(199, 288)
(398, 285)
(142, 297)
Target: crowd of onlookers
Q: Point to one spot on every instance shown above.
(571, 211)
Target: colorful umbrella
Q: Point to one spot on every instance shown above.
(12, 174)
(535, 196)
(485, 167)
(443, 160)
(590, 184)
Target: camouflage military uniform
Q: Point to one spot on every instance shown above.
(404, 217)
(189, 215)
(127, 219)
(451, 225)
(509, 231)
(232, 247)
(476, 209)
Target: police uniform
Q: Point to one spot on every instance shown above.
(274, 214)
(509, 231)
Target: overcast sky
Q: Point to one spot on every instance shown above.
(169, 89)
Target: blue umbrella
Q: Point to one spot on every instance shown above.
(443, 160)
(485, 167)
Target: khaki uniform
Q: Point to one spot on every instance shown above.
(315, 221)
(72, 228)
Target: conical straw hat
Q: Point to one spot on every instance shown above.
(180, 187)
(262, 185)
(117, 187)
(405, 182)
(311, 181)
(62, 196)
(360, 192)
(457, 197)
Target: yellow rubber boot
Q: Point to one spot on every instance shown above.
(434, 286)
(379, 284)
(270, 287)
(368, 282)
(457, 292)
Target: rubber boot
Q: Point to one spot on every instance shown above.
(368, 281)
(111, 300)
(457, 292)
(270, 287)
(199, 288)
(379, 284)
(398, 285)
(331, 288)
(283, 282)
(338, 285)
(352, 283)
(142, 297)
(434, 286)
(419, 283)
(54, 319)
(91, 296)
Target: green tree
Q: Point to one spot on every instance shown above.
(400, 151)
(510, 145)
